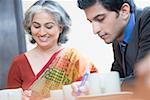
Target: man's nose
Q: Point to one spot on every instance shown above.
(96, 28)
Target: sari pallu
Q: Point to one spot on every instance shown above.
(67, 67)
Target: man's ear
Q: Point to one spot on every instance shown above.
(125, 11)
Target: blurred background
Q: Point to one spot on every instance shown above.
(14, 41)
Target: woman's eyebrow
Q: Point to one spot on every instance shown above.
(44, 23)
(50, 23)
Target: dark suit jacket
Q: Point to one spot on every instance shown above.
(138, 46)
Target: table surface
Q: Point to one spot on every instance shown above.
(115, 96)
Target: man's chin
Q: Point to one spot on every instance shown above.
(107, 42)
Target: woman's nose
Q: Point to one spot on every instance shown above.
(42, 31)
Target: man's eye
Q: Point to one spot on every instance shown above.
(100, 19)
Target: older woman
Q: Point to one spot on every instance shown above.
(49, 65)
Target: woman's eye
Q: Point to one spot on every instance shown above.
(36, 26)
(49, 27)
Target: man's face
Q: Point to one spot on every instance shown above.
(106, 24)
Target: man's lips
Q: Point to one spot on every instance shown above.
(102, 35)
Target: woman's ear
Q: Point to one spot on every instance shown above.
(61, 28)
(125, 11)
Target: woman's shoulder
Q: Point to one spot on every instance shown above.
(19, 58)
(18, 61)
(70, 49)
(74, 53)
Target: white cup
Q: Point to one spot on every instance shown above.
(110, 82)
(94, 84)
(11, 94)
(67, 91)
(100, 83)
(56, 95)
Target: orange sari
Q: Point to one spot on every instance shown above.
(65, 66)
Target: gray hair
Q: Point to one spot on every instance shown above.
(52, 7)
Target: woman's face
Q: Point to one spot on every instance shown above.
(45, 30)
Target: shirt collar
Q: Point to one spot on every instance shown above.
(129, 28)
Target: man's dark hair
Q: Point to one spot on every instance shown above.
(111, 5)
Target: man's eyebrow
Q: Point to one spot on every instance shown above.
(89, 20)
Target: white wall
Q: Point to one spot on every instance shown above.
(142, 3)
(82, 37)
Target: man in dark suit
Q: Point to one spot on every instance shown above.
(117, 22)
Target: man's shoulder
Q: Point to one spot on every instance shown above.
(142, 13)
(146, 9)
